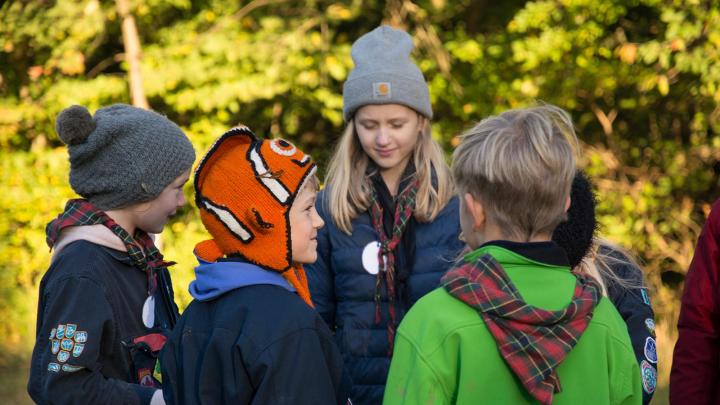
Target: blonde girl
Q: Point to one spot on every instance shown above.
(391, 219)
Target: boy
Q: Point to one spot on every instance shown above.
(512, 324)
(106, 302)
(251, 334)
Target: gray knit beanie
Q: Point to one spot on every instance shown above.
(124, 155)
(385, 74)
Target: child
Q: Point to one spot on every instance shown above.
(106, 301)
(696, 361)
(512, 324)
(619, 276)
(391, 218)
(251, 334)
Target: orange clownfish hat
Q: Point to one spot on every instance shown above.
(244, 188)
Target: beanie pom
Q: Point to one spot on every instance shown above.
(74, 125)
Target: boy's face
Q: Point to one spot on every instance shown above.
(152, 216)
(304, 224)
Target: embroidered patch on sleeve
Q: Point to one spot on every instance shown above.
(649, 377)
(651, 350)
(66, 341)
(650, 325)
(645, 297)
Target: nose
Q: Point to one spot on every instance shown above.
(317, 220)
(181, 199)
(381, 138)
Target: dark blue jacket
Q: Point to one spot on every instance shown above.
(248, 338)
(342, 290)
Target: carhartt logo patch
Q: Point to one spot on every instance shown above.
(382, 91)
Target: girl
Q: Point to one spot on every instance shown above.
(106, 302)
(618, 274)
(391, 221)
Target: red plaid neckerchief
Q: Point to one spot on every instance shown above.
(404, 207)
(141, 249)
(532, 341)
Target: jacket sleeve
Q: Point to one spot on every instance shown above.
(74, 326)
(303, 367)
(626, 386)
(320, 274)
(695, 360)
(411, 380)
(634, 307)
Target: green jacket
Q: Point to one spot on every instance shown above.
(445, 354)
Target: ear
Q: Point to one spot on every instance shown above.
(567, 204)
(476, 210)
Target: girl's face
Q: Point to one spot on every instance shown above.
(304, 224)
(152, 216)
(388, 133)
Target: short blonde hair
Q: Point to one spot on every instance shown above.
(349, 186)
(520, 165)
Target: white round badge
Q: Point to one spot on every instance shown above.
(370, 257)
(148, 312)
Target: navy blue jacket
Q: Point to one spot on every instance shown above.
(343, 290)
(248, 338)
(90, 311)
(634, 307)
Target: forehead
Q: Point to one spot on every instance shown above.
(384, 111)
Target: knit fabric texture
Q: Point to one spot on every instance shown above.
(244, 188)
(384, 73)
(123, 155)
(533, 341)
(576, 234)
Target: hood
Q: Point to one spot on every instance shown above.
(213, 279)
(97, 234)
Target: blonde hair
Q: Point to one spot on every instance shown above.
(599, 263)
(349, 188)
(520, 165)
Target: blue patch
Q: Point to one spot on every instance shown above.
(66, 344)
(81, 336)
(71, 369)
(63, 356)
(649, 377)
(645, 297)
(60, 331)
(70, 330)
(54, 367)
(55, 346)
(78, 349)
(650, 325)
(651, 350)
(52, 333)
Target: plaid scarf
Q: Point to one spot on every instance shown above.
(532, 341)
(140, 248)
(404, 207)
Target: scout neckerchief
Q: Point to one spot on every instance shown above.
(404, 207)
(140, 248)
(532, 341)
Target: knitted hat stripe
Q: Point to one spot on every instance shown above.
(226, 216)
(276, 188)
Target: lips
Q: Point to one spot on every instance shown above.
(384, 152)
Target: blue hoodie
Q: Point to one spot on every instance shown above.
(213, 279)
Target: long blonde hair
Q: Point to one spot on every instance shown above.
(599, 265)
(349, 188)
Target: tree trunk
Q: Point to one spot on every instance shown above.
(133, 55)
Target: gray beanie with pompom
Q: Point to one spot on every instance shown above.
(123, 155)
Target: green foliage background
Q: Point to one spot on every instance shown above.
(640, 77)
